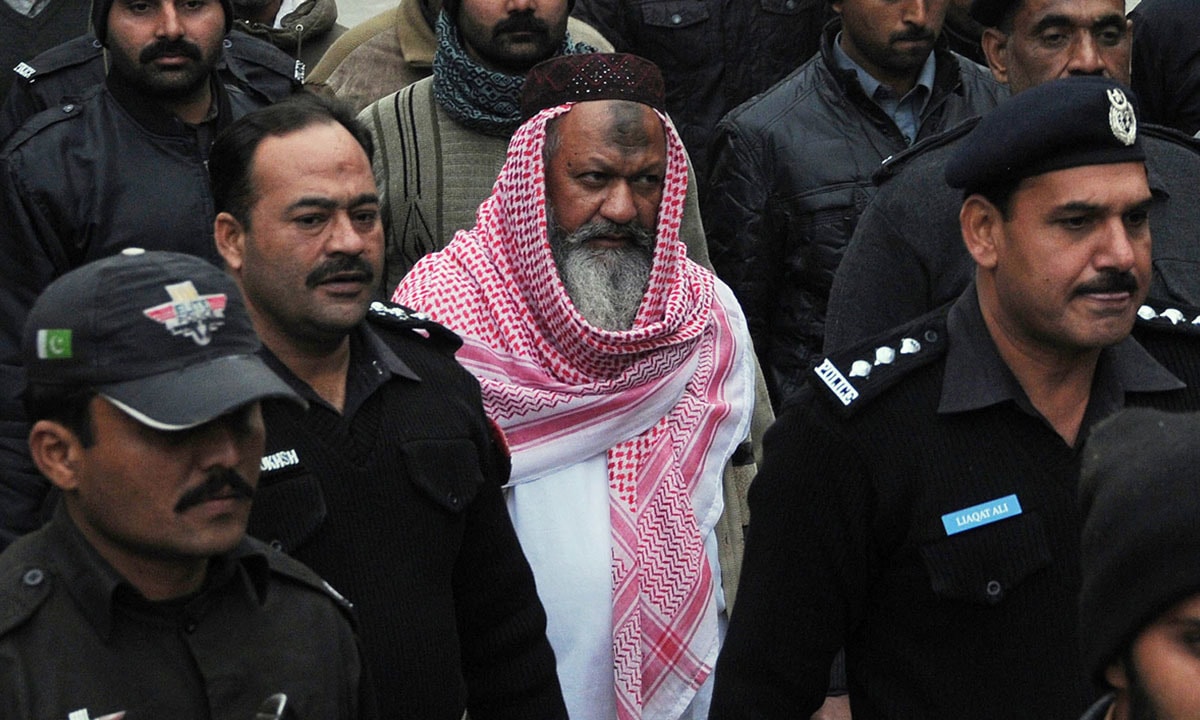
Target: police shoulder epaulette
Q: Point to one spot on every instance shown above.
(24, 586)
(391, 315)
(79, 51)
(66, 110)
(283, 564)
(894, 164)
(853, 376)
(1170, 318)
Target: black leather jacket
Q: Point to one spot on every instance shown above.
(82, 181)
(714, 54)
(791, 172)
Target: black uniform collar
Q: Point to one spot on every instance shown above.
(154, 118)
(976, 376)
(372, 364)
(97, 587)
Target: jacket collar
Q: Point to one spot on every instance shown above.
(977, 377)
(310, 19)
(947, 77)
(97, 588)
(414, 32)
(372, 364)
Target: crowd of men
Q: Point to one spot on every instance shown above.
(383, 372)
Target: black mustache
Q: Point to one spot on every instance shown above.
(921, 34)
(1110, 282)
(220, 482)
(520, 22)
(163, 48)
(632, 232)
(338, 265)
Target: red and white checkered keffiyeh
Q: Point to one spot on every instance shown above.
(668, 400)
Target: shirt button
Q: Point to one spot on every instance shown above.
(931, 336)
(68, 108)
(790, 4)
(676, 19)
(33, 578)
(378, 369)
(994, 591)
(190, 627)
(452, 498)
(276, 545)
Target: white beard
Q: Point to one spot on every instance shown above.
(606, 285)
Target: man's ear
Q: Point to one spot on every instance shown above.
(57, 452)
(231, 240)
(995, 48)
(981, 224)
(1116, 675)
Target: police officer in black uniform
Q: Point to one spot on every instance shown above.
(143, 595)
(917, 505)
(63, 73)
(121, 166)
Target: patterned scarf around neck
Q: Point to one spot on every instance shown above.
(479, 99)
(667, 400)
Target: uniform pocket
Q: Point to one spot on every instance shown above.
(445, 471)
(288, 508)
(984, 564)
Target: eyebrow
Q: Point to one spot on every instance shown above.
(324, 203)
(1188, 622)
(1054, 21)
(1081, 207)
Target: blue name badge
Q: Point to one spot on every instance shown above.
(981, 514)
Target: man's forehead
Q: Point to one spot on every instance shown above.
(1024, 13)
(315, 148)
(619, 122)
(1032, 13)
(1115, 187)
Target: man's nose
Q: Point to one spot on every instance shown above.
(619, 206)
(169, 26)
(1085, 58)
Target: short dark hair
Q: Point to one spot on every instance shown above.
(67, 406)
(231, 160)
(999, 194)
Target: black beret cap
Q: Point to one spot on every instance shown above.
(1139, 500)
(1061, 124)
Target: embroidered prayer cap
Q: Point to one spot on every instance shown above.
(592, 76)
(1060, 124)
(164, 336)
(1140, 540)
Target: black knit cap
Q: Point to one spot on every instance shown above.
(101, 8)
(1060, 124)
(990, 13)
(592, 76)
(1139, 498)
